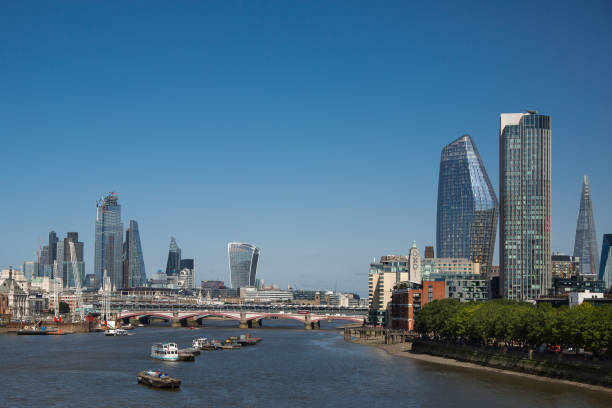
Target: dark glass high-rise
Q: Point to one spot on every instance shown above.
(585, 243)
(467, 205)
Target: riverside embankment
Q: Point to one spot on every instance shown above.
(594, 374)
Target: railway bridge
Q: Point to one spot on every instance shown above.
(246, 319)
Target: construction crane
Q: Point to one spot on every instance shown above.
(55, 290)
(77, 280)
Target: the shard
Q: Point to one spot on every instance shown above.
(467, 205)
(585, 243)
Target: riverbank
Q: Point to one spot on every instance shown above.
(405, 350)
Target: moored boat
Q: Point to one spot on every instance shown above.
(165, 351)
(248, 340)
(157, 379)
(200, 344)
(116, 332)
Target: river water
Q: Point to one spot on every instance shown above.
(289, 368)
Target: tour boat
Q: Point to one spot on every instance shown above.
(165, 351)
(116, 332)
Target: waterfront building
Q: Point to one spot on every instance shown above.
(585, 243)
(524, 178)
(134, 274)
(16, 297)
(464, 287)
(242, 264)
(251, 294)
(408, 298)
(605, 265)
(109, 241)
(382, 278)
(467, 206)
(577, 298)
(564, 266)
(173, 266)
(449, 266)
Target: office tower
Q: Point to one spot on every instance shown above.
(186, 263)
(109, 241)
(52, 254)
(134, 274)
(429, 252)
(524, 179)
(64, 253)
(585, 243)
(174, 258)
(242, 264)
(605, 265)
(467, 205)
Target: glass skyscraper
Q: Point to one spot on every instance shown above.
(173, 266)
(109, 241)
(585, 243)
(524, 179)
(467, 205)
(134, 274)
(605, 265)
(242, 263)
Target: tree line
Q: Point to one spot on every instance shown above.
(511, 323)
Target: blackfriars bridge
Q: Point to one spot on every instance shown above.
(246, 318)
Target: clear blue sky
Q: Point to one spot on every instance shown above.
(312, 129)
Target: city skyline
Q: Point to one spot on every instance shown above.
(286, 140)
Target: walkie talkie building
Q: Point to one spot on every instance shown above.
(242, 264)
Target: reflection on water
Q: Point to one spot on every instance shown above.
(289, 368)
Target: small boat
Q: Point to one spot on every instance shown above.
(165, 351)
(116, 332)
(231, 343)
(128, 327)
(157, 379)
(200, 344)
(247, 340)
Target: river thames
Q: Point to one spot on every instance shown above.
(289, 368)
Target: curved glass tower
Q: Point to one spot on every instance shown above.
(242, 263)
(585, 243)
(467, 205)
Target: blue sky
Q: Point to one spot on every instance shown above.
(312, 129)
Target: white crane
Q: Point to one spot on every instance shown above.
(77, 280)
(55, 290)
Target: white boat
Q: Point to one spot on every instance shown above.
(116, 332)
(165, 351)
(200, 344)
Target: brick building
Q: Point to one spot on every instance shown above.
(406, 300)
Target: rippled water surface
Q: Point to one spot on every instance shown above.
(289, 368)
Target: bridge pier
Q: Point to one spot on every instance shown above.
(254, 324)
(176, 323)
(244, 324)
(307, 323)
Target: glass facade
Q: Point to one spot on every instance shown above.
(525, 255)
(585, 243)
(242, 264)
(467, 205)
(605, 266)
(173, 266)
(109, 241)
(135, 274)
